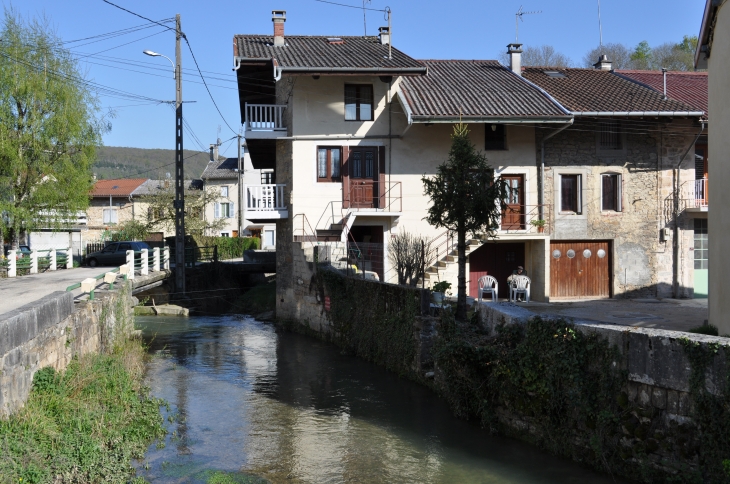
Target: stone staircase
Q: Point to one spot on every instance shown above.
(446, 267)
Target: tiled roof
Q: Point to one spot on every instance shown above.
(151, 187)
(687, 87)
(476, 89)
(593, 90)
(317, 54)
(122, 187)
(221, 170)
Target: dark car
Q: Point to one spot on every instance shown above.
(114, 254)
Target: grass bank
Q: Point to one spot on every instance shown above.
(85, 424)
(258, 300)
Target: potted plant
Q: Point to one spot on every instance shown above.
(540, 224)
(439, 290)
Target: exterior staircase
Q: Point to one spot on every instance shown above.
(446, 265)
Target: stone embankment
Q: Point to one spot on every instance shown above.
(54, 329)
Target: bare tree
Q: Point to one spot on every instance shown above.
(543, 55)
(409, 254)
(618, 54)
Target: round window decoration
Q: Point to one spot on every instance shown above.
(570, 253)
(556, 254)
(601, 253)
(587, 254)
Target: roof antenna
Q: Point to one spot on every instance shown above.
(519, 15)
(600, 28)
(364, 20)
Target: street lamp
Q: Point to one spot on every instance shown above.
(152, 53)
(179, 203)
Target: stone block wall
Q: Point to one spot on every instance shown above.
(642, 260)
(50, 332)
(659, 422)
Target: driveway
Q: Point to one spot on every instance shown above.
(671, 314)
(19, 291)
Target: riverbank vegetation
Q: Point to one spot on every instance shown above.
(258, 300)
(85, 424)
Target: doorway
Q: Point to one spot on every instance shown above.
(497, 260)
(580, 268)
(367, 247)
(513, 213)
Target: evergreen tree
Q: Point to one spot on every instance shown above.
(466, 198)
(48, 129)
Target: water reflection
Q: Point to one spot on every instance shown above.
(292, 409)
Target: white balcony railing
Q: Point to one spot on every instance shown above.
(700, 195)
(265, 117)
(265, 202)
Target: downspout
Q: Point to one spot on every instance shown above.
(541, 178)
(675, 216)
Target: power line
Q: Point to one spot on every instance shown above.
(140, 16)
(350, 6)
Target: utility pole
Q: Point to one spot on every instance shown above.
(179, 203)
(240, 189)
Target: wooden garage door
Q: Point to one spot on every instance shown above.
(580, 269)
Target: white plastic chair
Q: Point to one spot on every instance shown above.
(488, 284)
(519, 285)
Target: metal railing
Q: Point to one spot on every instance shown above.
(194, 255)
(265, 117)
(390, 200)
(526, 219)
(701, 194)
(264, 198)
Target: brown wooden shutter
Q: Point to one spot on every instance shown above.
(345, 172)
(382, 187)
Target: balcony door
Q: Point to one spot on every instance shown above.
(364, 175)
(513, 210)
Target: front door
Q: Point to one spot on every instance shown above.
(364, 174)
(580, 269)
(513, 211)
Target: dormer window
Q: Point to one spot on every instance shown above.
(358, 102)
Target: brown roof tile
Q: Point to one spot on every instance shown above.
(593, 90)
(122, 187)
(687, 87)
(316, 52)
(475, 88)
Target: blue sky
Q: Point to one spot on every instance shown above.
(425, 29)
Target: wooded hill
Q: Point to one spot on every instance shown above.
(118, 162)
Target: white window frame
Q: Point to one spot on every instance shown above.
(224, 192)
(579, 189)
(619, 192)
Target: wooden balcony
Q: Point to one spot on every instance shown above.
(265, 121)
(265, 202)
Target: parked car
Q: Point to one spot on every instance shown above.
(114, 254)
(21, 251)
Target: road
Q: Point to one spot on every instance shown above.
(19, 291)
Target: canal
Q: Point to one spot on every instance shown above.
(290, 409)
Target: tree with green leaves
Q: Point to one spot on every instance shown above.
(466, 199)
(161, 213)
(49, 129)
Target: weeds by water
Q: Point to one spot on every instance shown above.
(259, 299)
(85, 424)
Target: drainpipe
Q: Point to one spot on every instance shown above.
(541, 178)
(675, 216)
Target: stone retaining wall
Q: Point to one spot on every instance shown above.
(51, 331)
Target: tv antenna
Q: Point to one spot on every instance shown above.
(519, 15)
(600, 28)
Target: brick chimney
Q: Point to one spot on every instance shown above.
(384, 35)
(515, 58)
(603, 63)
(278, 17)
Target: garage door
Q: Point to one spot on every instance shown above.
(580, 269)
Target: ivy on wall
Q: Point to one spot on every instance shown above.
(375, 321)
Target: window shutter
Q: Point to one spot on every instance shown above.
(232, 210)
(345, 177)
(217, 210)
(619, 189)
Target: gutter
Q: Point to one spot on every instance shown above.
(541, 179)
(336, 70)
(492, 119)
(639, 113)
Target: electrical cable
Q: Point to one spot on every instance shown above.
(138, 15)
(349, 6)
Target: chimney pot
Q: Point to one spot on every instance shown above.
(515, 58)
(212, 154)
(603, 63)
(278, 17)
(384, 35)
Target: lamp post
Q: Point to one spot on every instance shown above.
(179, 203)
